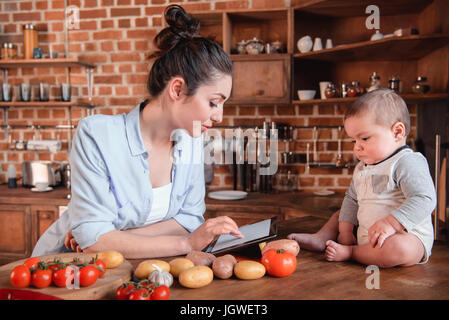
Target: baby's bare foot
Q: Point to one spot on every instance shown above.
(309, 241)
(337, 252)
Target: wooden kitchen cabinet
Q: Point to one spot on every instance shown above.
(24, 217)
(268, 82)
(43, 217)
(354, 57)
(20, 228)
(15, 232)
(275, 79)
(262, 78)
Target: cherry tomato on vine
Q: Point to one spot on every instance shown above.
(140, 294)
(20, 277)
(160, 293)
(100, 263)
(88, 275)
(41, 278)
(123, 292)
(279, 263)
(63, 277)
(32, 263)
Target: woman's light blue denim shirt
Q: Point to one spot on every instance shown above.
(111, 189)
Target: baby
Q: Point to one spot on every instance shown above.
(391, 196)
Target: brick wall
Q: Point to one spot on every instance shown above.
(117, 35)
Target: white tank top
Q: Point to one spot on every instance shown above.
(161, 202)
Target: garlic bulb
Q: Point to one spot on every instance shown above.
(161, 277)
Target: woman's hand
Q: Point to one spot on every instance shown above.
(70, 243)
(211, 228)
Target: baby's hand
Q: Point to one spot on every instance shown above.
(379, 232)
(346, 238)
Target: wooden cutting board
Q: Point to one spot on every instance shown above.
(103, 288)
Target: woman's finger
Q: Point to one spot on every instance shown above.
(73, 244)
(67, 239)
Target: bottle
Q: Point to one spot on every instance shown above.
(330, 91)
(29, 40)
(11, 174)
(420, 86)
(394, 84)
(374, 81)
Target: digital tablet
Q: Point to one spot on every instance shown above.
(252, 234)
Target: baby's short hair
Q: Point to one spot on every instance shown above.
(386, 106)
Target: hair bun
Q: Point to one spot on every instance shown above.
(181, 26)
(180, 22)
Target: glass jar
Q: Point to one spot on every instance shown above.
(374, 82)
(330, 91)
(29, 40)
(4, 52)
(420, 86)
(357, 90)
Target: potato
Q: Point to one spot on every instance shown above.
(196, 277)
(145, 268)
(224, 266)
(249, 270)
(178, 265)
(200, 258)
(112, 258)
(285, 244)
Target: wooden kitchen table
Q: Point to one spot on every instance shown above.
(316, 278)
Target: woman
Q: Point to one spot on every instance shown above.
(138, 178)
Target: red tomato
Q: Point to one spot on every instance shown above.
(160, 293)
(63, 277)
(123, 292)
(54, 265)
(139, 294)
(41, 278)
(20, 277)
(88, 275)
(100, 263)
(31, 263)
(279, 263)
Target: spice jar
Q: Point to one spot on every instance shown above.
(354, 89)
(420, 86)
(29, 40)
(4, 51)
(12, 51)
(330, 91)
(394, 84)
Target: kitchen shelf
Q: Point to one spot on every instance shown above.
(45, 104)
(354, 8)
(386, 49)
(328, 166)
(409, 98)
(38, 63)
(259, 57)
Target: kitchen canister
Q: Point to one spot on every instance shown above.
(29, 40)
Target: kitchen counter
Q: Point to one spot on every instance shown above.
(21, 195)
(316, 278)
(288, 203)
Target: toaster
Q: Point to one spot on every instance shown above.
(41, 171)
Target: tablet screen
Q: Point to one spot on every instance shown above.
(252, 233)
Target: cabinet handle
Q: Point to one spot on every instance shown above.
(45, 216)
(259, 92)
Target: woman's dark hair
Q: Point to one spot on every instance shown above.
(183, 52)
